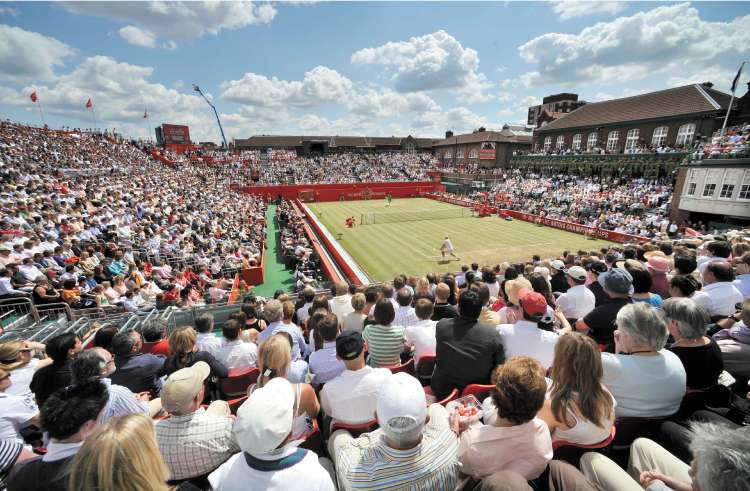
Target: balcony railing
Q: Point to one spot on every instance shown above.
(611, 159)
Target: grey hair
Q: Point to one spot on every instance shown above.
(721, 454)
(692, 319)
(644, 324)
(403, 431)
(87, 365)
(273, 311)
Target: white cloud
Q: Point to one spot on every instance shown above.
(571, 9)
(26, 55)
(429, 62)
(388, 103)
(179, 20)
(9, 11)
(670, 39)
(319, 85)
(137, 36)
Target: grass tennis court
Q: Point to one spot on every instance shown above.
(384, 250)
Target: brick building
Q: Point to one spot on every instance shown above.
(318, 145)
(673, 117)
(486, 148)
(553, 107)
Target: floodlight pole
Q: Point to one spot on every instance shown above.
(198, 90)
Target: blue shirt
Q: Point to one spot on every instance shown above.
(138, 373)
(298, 340)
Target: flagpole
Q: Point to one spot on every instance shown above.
(726, 116)
(41, 114)
(93, 116)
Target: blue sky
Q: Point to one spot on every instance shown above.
(385, 68)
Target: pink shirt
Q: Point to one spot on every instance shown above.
(486, 449)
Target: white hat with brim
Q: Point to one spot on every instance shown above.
(264, 421)
(183, 385)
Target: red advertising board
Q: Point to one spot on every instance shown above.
(487, 152)
(175, 134)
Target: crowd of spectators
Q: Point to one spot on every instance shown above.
(733, 143)
(563, 348)
(117, 229)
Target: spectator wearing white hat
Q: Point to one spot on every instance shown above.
(194, 441)
(270, 460)
(558, 281)
(414, 448)
(578, 300)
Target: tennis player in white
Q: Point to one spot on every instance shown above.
(447, 247)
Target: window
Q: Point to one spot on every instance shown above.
(685, 135)
(691, 189)
(592, 141)
(708, 190)
(659, 138)
(460, 153)
(577, 141)
(447, 155)
(726, 191)
(473, 153)
(745, 187)
(547, 143)
(612, 139)
(631, 140)
(560, 144)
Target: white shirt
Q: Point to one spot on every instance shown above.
(742, 283)
(341, 306)
(306, 475)
(352, 397)
(422, 336)
(525, 338)
(718, 298)
(577, 302)
(21, 378)
(14, 412)
(703, 262)
(206, 341)
(645, 386)
(405, 316)
(447, 245)
(324, 365)
(237, 354)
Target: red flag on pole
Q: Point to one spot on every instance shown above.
(33, 96)
(89, 104)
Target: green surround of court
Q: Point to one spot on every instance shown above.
(413, 247)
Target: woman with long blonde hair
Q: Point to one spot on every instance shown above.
(274, 359)
(183, 353)
(121, 455)
(578, 409)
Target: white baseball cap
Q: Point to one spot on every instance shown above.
(577, 273)
(401, 396)
(557, 264)
(264, 421)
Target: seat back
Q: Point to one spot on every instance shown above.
(426, 366)
(148, 347)
(355, 429)
(450, 397)
(628, 429)
(407, 367)
(480, 391)
(235, 404)
(238, 381)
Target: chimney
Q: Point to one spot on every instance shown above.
(707, 85)
(448, 134)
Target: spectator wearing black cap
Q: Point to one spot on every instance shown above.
(351, 397)
(595, 269)
(600, 322)
(467, 350)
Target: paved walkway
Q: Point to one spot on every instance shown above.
(276, 275)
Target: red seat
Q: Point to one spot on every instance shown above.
(355, 429)
(238, 381)
(148, 347)
(407, 367)
(480, 391)
(235, 404)
(602, 444)
(313, 439)
(453, 395)
(425, 366)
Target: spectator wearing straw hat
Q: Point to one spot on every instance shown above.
(193, 441)
(270, 460)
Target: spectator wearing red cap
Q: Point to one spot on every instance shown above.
(525, 337)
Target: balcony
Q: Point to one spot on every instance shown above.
(669, 159)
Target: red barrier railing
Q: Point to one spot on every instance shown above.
(328, 269)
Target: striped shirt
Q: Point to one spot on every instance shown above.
(367, 463)
(405, 316)
(385, 344)
(9, 452)
(121, 402)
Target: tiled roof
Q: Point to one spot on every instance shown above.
(505, 136)
(688, 99)
(338, 141)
